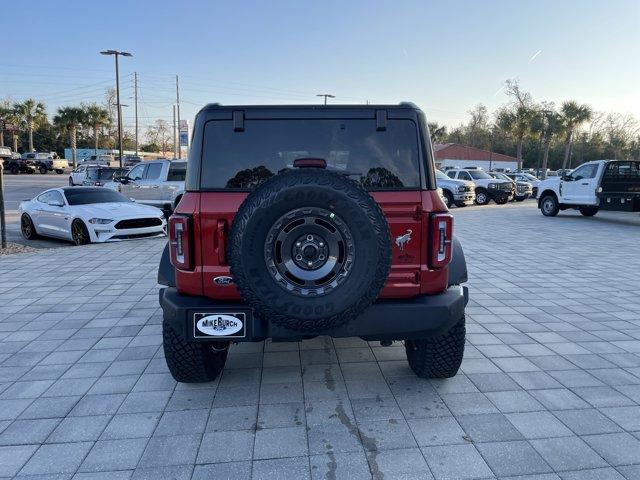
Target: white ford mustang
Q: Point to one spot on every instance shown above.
(88, 214)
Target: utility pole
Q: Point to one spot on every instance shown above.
(116, 53)
(3, 224)
(178, 114)
(325, 95)
(175, 141)
(135, 88)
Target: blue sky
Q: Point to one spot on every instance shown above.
(444, 56)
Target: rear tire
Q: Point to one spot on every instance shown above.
(438, 357)
(15, 170)
(59, 171)
(549, 206)
(588, 211)
(191, 362)
(43, 170)
(70, 182)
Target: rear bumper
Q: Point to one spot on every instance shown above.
(420, 317)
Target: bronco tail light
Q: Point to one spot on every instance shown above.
(180, 242)
(441, 239)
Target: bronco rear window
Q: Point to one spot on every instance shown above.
(387, 159)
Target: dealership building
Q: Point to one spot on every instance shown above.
(455, 155)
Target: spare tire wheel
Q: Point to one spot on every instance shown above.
(309, 250)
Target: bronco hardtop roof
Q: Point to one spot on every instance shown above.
(401, 105)
(400, 110)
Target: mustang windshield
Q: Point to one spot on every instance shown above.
(85, 196)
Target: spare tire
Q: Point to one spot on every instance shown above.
(309, 250)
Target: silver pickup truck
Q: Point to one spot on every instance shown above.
(156, 182)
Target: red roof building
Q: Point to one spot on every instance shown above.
(455, 151)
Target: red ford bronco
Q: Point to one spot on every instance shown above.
(299, 221)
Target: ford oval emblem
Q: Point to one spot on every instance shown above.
(219, 324)
(223, 280)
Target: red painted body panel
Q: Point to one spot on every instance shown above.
(406, 211)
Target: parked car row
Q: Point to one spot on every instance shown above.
(31, 162)
(465, 186)
(159, 183)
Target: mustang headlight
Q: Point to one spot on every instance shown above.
(492, 185)
(100, 221)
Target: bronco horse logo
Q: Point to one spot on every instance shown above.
(402, 240)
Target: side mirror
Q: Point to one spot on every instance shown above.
(123, 180)
(567, 177)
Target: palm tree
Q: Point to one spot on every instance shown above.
(573, 115)
(11, 118)
(517, 123)
(5, 113)
(69, 119)
(438, 132)
(30, 114)
(553, 125)
(97, 118)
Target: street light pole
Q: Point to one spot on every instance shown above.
(117, 53)
(325, 95)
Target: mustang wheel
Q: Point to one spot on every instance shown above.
(79, 233)
(27, 227)
(310, 250)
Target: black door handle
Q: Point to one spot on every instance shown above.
(585, 183)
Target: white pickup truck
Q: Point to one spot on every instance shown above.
(47, 162)
(593, 186)
(159, 183)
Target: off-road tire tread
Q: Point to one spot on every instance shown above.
(265, 195)
(438, 357)
(191, 362)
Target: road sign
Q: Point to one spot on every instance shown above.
(184, 133)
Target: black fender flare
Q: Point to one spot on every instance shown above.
(458, 265)
(166, 271)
